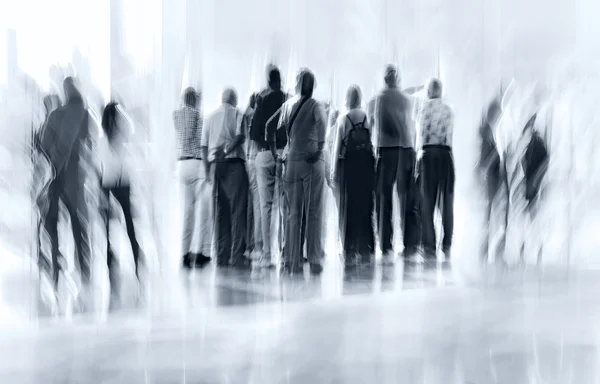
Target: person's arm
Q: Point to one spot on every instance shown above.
(338, 134)
(204, 145)
(413, 90)
(257, 118)
(320, 123)
(239, 138)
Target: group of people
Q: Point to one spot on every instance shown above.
(282, 151)
(253, 181)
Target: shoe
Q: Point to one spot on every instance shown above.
(316, 269)
(200, 261)
(387, 259)
(265, 262)
(409, 252)
(447, 252)
(187, 261)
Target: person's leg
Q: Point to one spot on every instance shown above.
(404, 188)
(265, 180)
(51, 228)
(341, 198)
(387, 169)
(222, 216)
(111, 260)
(236, 189)
(123, 196)
(447, 202)
(78, 212)
(189, 187)
(429, 191)
(205, 216)
(363, 203)
(254, 227)
(295, 205)
(313, 187)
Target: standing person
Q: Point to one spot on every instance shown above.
(305, 122)
(437, 169)
(194, 182)
(353, 144)
(63, 143)
(254, 229)
(222, 147)
(270, 143)
(395, 139)
(115, 176)
(489, 167)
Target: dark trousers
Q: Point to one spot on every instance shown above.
(69, 189)
(437, 188)
(395, 166)
(356, 205)
(123, 196)
(231, 208)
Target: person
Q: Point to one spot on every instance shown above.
(535, 165)
(222, 147)
(489, 167)
(270, 143)
(63, 141)
(194, 182)
(115, 179)
(437, 169)
(394, 136)
(353, 145)
(304, 120)
(254, 228)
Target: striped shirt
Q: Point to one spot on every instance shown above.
(188, 126)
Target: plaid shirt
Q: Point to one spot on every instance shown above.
(437, 123)
(188, 125)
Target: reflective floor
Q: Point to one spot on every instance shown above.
(411, 323)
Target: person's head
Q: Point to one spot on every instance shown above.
(353, 97)
(305, 82)
(390, 76)
(191, 97)
(274, 77)
(72, 94)
(434, 89)
(493, 112)
(229, 96)
(109, 119)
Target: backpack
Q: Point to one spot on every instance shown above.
(359, 137)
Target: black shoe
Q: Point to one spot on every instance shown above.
(316, 269)
(187, 261)
(200, 261)
(447, 252)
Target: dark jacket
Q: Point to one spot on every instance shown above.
(267, 104)
(535, 164)
(64, 135)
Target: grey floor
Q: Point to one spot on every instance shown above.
(411, 323)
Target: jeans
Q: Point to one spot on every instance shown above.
(270, 190)
(254, 235)
(197, 207)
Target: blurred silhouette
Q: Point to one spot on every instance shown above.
(194, 181)
(222, 147)
(305, 122)
(353, 145)
(115, 176)
(63, 142)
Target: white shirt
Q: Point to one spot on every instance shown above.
(220, 129)
(115, 159)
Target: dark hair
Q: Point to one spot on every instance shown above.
(252, 101)
(306, 80)
(109, 120)
(274, 78)
(434, 89)
(229, 96)
(190, 97)
(391, 75)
